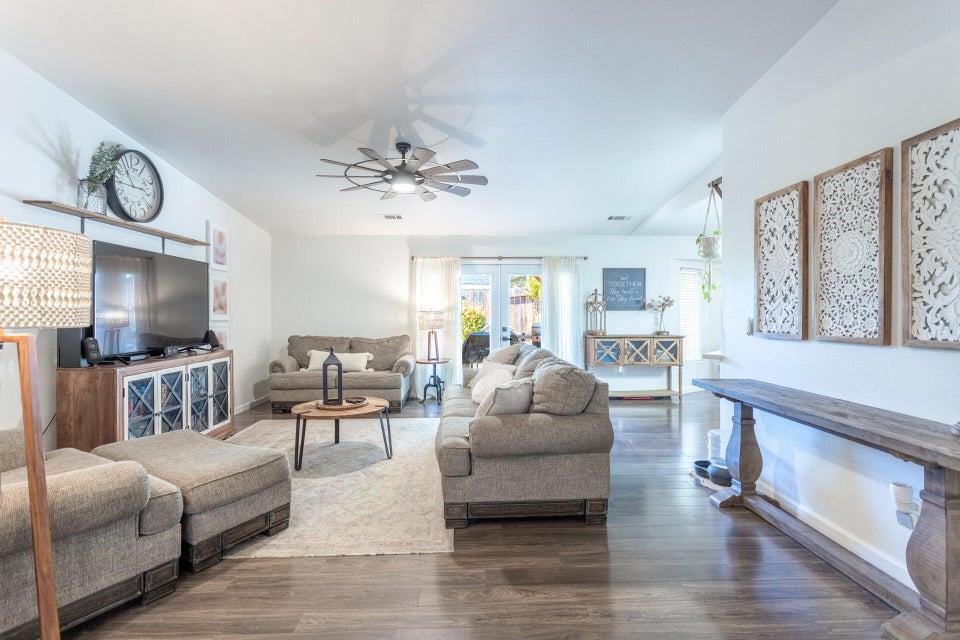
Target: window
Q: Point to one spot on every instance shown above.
(690, 296)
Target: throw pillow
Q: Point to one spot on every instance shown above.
(507, 399)
(493, 379)
(562, 390)
(527, 364)
(507, 355)
(486, 367)
(350, 361)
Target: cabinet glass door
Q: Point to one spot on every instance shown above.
(140, 393)
(199, 385)
(172, 399)
(607, 351)
(220, 397)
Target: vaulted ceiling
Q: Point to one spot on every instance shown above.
(575, 110)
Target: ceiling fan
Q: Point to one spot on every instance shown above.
(418, 173)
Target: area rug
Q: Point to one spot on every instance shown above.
(348, 499)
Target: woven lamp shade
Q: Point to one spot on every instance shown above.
(431, 320)
(44, 277)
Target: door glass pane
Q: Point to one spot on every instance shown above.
(199, 400)
(140, 407)
(221, 395)
(171, 401)
(476, 291)
(523, 310)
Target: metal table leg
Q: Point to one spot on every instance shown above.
(389, 432)
(336, 432)
(386, 447)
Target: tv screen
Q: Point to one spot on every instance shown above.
(145, 301)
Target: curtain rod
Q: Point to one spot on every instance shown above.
(499, 257)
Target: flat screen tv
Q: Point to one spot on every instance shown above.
(145, 301)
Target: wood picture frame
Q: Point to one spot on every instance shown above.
(792, 274)
(863, 243)
(930, 147)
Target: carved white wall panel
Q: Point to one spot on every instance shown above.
(849, 286)
(780, 264)
(931, 229)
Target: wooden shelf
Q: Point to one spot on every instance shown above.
(85, 214)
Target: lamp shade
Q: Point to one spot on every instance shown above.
(431, 320)
(44, 277)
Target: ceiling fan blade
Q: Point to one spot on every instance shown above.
(389, 195)
(425, 195)
(418, 157)
(362, 186)
(461, 179)
(457, 165)
(460, 191)
(347, 164)
(373, 155)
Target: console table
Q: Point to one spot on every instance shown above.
(633, 350)
(933, 551)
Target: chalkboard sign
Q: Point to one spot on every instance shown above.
(624, 289)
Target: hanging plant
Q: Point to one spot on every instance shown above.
(708, 247)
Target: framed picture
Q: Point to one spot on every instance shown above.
(222, 332)
(219, 297)
(780, 249)
(625, 289)
(218, 253)
(852, 238)
(930, 237)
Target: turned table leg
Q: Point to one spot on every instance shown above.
(933, 561)
(744, 461)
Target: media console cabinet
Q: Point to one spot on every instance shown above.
(637, 351)
(111, 402)
(933, 551)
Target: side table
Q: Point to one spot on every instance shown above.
(434, 380)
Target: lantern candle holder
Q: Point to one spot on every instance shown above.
(595, 314)
(334, 362)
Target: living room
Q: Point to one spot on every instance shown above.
(362, 320)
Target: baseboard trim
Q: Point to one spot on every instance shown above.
(246, 406)
(886, 587)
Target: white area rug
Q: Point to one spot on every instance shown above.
(348, 499)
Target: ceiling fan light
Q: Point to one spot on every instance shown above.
(403, 183)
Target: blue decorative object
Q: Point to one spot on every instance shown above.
(625, 289)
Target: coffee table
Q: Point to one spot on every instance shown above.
(308, 411)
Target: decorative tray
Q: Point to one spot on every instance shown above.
(350, 402)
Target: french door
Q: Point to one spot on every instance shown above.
(499, 306)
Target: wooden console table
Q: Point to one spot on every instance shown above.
(933, 551)
(637, 351)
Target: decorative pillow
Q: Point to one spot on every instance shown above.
(490, 381)
(527, 364)
(507, 399)
(350, 361)
(488, 366)
(300, 346)
(507, 355)
(562, 390)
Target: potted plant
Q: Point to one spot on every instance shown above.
(708, 247)
(659, 306)
(91, 192)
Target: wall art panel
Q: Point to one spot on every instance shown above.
(851, 250)
(780, 248)
(930, 237)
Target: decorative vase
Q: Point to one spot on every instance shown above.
(661, 331)
(92, 196)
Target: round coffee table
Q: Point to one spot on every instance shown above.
(309, 411)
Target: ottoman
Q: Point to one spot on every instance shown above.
(230, 492)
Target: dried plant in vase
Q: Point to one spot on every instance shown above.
(91, 192)
(659, 306)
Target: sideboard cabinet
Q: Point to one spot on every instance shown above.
(107, 403)
(637, 351)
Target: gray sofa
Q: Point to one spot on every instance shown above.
(115, 530)
(393, 365)
(529, 464)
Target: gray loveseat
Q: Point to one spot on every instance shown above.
(115, 530)
(528, 464)
(393, 364)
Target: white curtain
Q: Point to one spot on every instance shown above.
(562, 312)
(435, 286)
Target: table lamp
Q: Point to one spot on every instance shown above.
(431, 322)
(44, 283)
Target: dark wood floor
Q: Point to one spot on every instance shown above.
(667, 565)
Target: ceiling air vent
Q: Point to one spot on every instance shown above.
(617, 218)
(392, 216)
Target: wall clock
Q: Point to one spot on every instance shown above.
(134, 191)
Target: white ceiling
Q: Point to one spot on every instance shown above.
(574, 110)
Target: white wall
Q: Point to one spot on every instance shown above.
(342, 285)
(683, 214)
(867, 76)
(47, 138)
